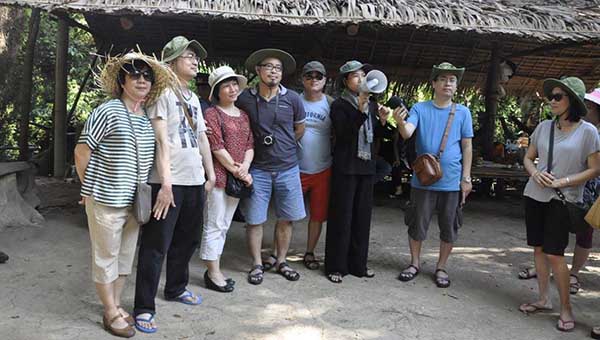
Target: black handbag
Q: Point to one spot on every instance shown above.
(234, 186)
(575, 211)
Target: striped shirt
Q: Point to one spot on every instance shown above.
(111, 174)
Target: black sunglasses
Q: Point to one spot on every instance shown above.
(556, 96)
(137, 74)
(317, 76)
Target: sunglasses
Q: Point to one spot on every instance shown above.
(556, 97)
(137, 74)
(317, 76)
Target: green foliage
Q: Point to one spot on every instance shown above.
(81, 48)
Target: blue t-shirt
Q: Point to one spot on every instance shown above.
(430, 122)
(315, 145)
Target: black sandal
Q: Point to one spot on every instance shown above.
(441, 282)
(268, 265)
(311, 264)
(407, 275)
(290, 274)
(335, 277)
(256, 278)
(574, 287)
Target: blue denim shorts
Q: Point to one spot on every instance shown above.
(283, 187)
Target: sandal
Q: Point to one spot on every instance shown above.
(407, 275)
(565, 326)
(150, 320)
(267, 265)
(310, 261)
(527, 273)
(126, 332)
(257, 277)
(532, 308)
(187, 298)
(369, 273)
(290, 274)
(595, 333)
(440, 281)
(128, 318)
(335, 277)
(574, 287)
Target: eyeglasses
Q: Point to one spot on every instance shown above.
(271, 67)
(316, 76)
(556, 97)
(137, 74)
(191, 57)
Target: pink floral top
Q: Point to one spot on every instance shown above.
(236, 140)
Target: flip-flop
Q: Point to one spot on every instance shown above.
(335, 277)
(574, 287)
(562, 325)
(527, 273)
(186, 298)
(143, 329)
(406, 275)
(595, 333)
(532, 308)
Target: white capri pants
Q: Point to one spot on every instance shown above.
(113, 234)
(220, 210)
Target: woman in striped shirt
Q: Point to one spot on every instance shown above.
(115, 149)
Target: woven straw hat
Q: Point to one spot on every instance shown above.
(107, 79)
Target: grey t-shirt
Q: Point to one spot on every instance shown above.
(186, 160)
(571, 151)
(316, 142)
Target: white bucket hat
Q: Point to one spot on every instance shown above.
(222, 73)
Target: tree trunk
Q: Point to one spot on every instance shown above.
(60, 99)
(27, 84)
(488, 121)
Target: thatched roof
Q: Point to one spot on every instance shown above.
(403, 37)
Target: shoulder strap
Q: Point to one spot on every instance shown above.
(447, 130)
(137, 155)
(185, 108)
(550, 147)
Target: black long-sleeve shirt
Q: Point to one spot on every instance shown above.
(346, 121)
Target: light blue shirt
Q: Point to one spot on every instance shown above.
(315, 145)
(430, 122)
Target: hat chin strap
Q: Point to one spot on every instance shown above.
(136, 100)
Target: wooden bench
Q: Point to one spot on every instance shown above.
(18, 196)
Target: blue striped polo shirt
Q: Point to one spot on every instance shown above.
(111, 174)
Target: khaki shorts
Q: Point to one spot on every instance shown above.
(114, 233)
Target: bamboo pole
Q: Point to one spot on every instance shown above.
(60, 99)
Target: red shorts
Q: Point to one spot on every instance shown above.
(317, 187)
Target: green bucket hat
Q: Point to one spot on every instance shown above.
(573, 86)
(288, 62)
(351, 66)
(446, 67)
(178, 45)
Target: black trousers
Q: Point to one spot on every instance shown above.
(349, 224)
(177, 237)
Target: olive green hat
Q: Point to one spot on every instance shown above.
(351, 66)
(573, 86)
(178, 45)
(288, 62)
(446, 67)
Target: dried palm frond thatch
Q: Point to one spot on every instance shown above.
(540, 19)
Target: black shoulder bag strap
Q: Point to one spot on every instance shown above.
(549, 166)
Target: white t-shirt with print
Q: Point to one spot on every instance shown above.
(186, 160)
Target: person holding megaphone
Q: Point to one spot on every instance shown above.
(356, 122)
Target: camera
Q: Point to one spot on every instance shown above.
(268, 140)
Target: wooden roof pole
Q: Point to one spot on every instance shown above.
(487, 121)
(60, 99)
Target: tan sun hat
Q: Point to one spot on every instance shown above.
(288, 62)
(108, 78)
(221, 73)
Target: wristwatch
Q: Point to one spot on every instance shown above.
(466, 179)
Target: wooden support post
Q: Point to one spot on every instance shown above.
(27, 85)
(487, 121)
(60, 99)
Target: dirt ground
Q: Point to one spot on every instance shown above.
(46, 291)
